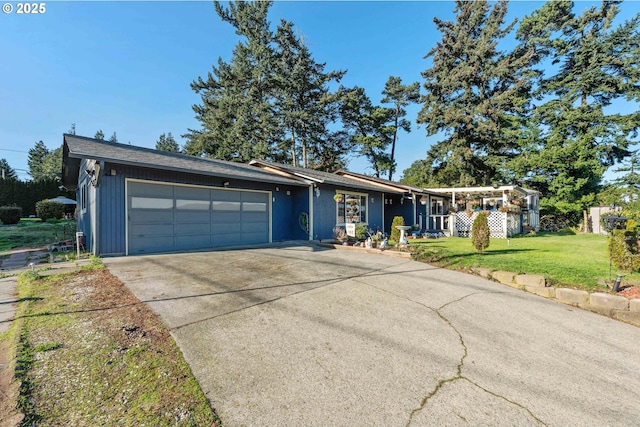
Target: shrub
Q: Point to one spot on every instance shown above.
(46, 209)
(361, 231)
(10, 214)
(395, 233)
(480, 232)
(624, 250)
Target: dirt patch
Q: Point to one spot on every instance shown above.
(93, 354)
(630, 292)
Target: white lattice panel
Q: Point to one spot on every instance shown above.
(498, 222)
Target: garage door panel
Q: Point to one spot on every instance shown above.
(255, 227)
(151, 244)
(253, 238)
(226, 195)
(193, 216)
(150, 216)
(226, 228)
(167, 218)
(226, 239)
(253, 217)
(192, 229)
(225, 217)
(150, 190)
(192, 193)
(193, 242)
(138, 230)
(254, 197)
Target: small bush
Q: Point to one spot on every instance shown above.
(10, 214)
(480, 232)
(46, 209)
(395, 233)
(361, 231)
(624, 250)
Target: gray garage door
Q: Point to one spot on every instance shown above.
(165, 218)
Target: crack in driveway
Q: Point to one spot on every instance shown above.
(458, 375)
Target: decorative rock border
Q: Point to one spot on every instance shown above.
(377, 251)
(614, 306)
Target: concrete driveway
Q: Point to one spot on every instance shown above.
(304, 336)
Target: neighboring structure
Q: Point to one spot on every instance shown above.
(134, 200)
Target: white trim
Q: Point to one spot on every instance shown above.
(146, 181)
(366, 205)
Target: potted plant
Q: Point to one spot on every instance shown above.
(476, 205)
(338, 197)
(492, 202)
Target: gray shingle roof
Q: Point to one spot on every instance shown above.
(321, 177)
(78, 147)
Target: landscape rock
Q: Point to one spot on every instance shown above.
(504, 277)
(572, 296)
(602, 300)
(531, 280)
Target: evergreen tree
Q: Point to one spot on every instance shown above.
(51, 166)
(369, 127)
(35, 160)
(303, 102)
(630, 181)
(167, 143)
(113, 138)
(596, 64)
(400, 96)
(417, 174)
(238, 121)
(6, 171)
(99, 135)
(475, 95)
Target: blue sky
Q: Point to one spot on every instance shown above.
(126, 66)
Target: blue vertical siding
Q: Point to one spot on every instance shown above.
(299, 206)
(112, 203)
(325, 215)
(397, 206)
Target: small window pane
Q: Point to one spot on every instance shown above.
(254, 207)
(151, 203)
(192, 204)
(225, 206)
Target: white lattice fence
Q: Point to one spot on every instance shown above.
(498, 223)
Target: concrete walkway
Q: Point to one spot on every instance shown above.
(306, 336)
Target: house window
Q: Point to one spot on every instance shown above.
(436, 207)
(351, 209)
(83, 197)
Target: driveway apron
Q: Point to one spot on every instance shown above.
(304, 336)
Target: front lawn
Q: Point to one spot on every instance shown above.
(31, 234)
(578, 261)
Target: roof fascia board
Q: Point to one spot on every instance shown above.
(392, 188)
(281, 171)
(78, 155)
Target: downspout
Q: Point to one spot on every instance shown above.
(97, 207)
(383, 209)
(311, 212)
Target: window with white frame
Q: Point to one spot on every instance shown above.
(351, 208)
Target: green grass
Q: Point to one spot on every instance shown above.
(31, 234)
(109, 377)
(578, 261)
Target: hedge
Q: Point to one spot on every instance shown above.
(26, 194)
(10, 214)
(46, 209)
(623, 248)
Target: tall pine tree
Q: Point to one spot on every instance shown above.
(35, 160)
(304, 102)
(594, 64)
(238, 121)
(400, 96)
(475, 95)
(167, 143)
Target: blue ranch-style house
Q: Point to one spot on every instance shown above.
(134, 200)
